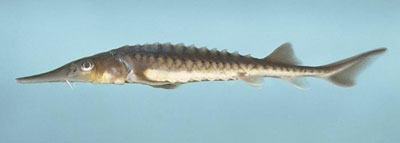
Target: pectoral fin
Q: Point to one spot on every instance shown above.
(167, 86)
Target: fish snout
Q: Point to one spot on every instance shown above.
(57, 75)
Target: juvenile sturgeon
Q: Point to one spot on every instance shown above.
(168, 65)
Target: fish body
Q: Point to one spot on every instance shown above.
(168, 65)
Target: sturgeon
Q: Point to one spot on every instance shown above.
(170, 65)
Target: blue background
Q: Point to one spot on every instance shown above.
(37, 36)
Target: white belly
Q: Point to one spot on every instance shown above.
(187, 76)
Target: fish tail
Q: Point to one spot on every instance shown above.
(344, 72)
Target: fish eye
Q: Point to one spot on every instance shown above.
(87, 65)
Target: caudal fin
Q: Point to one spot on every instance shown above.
(344, 72)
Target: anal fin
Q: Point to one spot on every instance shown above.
(298, 82)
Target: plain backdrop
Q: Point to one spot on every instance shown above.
(37, 36)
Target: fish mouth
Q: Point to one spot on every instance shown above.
(57, 75)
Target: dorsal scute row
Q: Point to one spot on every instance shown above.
(185, 52)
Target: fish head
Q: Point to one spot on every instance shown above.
(108, 68)
(99, 68)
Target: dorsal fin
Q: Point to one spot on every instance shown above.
(284, 55)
